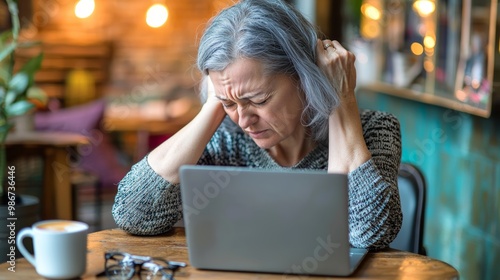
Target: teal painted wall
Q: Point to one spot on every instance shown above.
(460, 156)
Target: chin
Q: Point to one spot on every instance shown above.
(265, 143)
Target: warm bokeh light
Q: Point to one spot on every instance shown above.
(424, 7)
(84, 8)
(370, 29)
(428, 66)
(157, 15)
(417, 48)
(475, 84)
(429, 42)
(370, 11)
(429, 51)
(461, 95)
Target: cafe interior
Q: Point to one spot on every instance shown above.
(118, 77)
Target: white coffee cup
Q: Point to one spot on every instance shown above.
(60, 248)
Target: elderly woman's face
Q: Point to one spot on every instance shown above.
(266, 107)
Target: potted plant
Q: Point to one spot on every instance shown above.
(16, 99)
(16, 87)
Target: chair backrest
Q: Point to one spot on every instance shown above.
(412, 191)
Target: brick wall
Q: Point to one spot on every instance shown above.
(133, 58)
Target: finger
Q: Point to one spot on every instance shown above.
(320, 46)
(341, 50)
(210, 87)
(320, 51)
(328, 46)
(337, 45)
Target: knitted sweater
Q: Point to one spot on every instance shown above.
(147, 204)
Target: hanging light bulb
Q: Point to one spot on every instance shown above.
(84, 8)
(156, 15)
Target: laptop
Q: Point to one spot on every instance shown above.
(273, 221)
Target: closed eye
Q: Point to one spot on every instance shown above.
(227, 104)
(261, 102)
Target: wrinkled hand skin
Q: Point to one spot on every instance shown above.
(337, 64)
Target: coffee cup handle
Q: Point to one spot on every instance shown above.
(25, 232)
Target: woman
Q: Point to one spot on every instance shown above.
(285, 99)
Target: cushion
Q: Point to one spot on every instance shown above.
(78, 119)
(100, 157)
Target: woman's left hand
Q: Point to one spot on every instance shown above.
(337, 64)
(347, 148)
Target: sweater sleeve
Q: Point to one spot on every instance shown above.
(374, 206)
(146, 204)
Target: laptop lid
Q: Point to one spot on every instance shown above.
(278, 221)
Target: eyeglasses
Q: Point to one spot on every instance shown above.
(123, 266)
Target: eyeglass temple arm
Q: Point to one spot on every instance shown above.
(179, 264)
(141, 258)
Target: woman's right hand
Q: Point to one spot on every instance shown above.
(211, 100)
(209, 89)
(187, 145)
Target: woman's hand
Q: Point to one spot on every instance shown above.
(210, 89)
(187, 145)
(347, 147)
(212, 101)
(337, 64)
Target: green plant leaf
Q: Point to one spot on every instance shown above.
(10, 98)
(32, 66)
(4, 76)
(5, 68)
(19, 108)
(6, 51)
(5, 37)
(37, 93)
(19, 83)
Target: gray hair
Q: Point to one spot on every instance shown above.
(276, 34)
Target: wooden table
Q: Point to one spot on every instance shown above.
(141, 127)
(57, 147)
(387, 264)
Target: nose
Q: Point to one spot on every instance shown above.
(246, 117)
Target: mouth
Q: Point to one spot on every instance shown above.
(257, 134)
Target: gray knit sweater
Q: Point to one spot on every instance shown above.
(147, 204)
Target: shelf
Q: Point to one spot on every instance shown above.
(445, 56)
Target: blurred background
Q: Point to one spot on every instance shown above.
(122, 73)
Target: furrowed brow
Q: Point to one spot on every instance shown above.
(250, 96)
(221, 98)
(247, 97)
